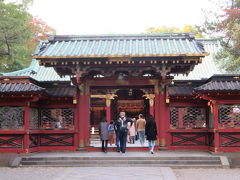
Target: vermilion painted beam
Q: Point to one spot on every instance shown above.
(53, 131)
(114, 82)
(188, 130)
(12, 131)
(187, 104)
(189, 147)
(57, 148)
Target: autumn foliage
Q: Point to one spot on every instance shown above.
(40, 31)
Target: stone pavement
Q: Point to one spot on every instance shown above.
(207, 174)
(115, 173)
(88, 173)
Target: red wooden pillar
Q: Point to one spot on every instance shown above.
(157, 115)
(26, 141)
(215, 130)
(108, 110)
(76, 118)
(83, 123)
(87, 118)
(162, 120)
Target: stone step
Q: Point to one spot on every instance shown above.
(122, 161)
(118, 162)
(175, 166)
(120, 158)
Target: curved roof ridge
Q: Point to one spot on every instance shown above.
(34, 64)
(119, 36)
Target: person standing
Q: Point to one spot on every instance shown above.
(151, 132)
(117, 135)
(132, 132)
(141, 123)
(103, 132)
(122, 128)
(111, 133)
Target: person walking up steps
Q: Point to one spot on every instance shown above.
(103, 132)
(111, 133)
(151, 132)
(132, 132)
(141, 123)
(121, 125)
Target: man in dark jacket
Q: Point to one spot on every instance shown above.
(121, 126)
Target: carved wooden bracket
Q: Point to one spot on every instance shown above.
(79, 72)
(151, 98)
(164, 70)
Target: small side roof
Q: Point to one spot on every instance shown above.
(39, 73)
(224, 82)
(19, 85)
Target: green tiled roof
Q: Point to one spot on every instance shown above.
(143, 45)
(201, 71)
(39, 73)
(208, 67)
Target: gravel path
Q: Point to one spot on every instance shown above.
(207, 174)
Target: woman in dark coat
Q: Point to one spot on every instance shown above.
(103, 132)
(151, 132)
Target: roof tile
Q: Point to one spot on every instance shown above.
(121, 45)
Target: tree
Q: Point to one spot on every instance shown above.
(19, 35)
(14, 33)
(185, 29)
(225, 25)
(40, 30)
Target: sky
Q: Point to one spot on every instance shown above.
(117, 16)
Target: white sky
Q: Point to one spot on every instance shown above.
(117, 16)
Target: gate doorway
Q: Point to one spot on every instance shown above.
(130, 100)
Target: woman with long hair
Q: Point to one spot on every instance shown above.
(151, 132)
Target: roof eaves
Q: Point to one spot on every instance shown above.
(30, 68)
(141, 55)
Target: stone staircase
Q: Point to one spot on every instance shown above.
(94, 137)
(123, 161)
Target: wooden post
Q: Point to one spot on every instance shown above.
(84, 117)
(76, 118)
(108, 110)
(157, 116)
(162, 119)
(26, 142)
(216, 133)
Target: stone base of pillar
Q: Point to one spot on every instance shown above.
(162, 142)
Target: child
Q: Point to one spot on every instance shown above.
(132, 132)
(111, 133)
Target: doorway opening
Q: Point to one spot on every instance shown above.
(128, 99)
